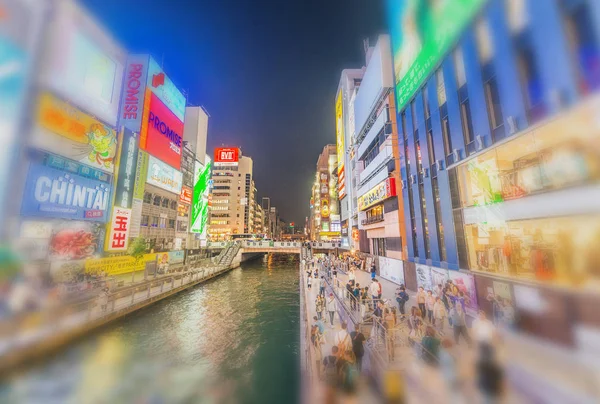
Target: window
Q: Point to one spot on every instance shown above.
(430, 148)
(174, 205)
(582, 45)
(438, 218)
(531, 85)
(446, 135)
(162, 222)
(421, 187)
(459, 63)
(411, 206)
(157, 200)
(492, 101)
(378, 246)
(441, 87)
(147, 197)
(145, 220)
(171, 224)
(154, 221)
(467, 124)
(165, 203)
(517, 15)
(484, 41)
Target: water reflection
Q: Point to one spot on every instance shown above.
(228, 341)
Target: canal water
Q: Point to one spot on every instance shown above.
(232, 340)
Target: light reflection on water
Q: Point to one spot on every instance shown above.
(233, 340)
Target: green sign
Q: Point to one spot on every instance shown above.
(422, 31)
(140, 175)
(199, 213)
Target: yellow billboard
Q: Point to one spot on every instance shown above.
(339, 131)
(118, 265)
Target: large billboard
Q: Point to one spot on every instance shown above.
(199, 215)
(380, 192)
(164, 176)
(66, 130)
(422, 32)
(226, 156)
(161, 85)
(163, 133)
(51, 192)
(339, 134)
(82, 63)
(126, 169)
(134, 92)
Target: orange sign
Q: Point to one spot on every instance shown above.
(186, 195)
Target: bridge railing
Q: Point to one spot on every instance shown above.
(276, 244)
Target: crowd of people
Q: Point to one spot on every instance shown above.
(436, 324)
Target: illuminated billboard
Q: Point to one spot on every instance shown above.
(161, 85)
(164, 176)
(66, 130)
(134, 91)
(226, 156)
(82, 63)
(126, 169)
(339, 132)
(200, 201)
(380, 192)
(422, 32)
(162, 136)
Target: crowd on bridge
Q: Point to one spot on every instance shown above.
(433, 323)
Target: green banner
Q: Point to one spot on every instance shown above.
(140, 175)
(199, 211)
(422, 32)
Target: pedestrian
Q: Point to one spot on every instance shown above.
(484, 332)
(322, 286)
(358, 348)
(343, 340)
(331, 308)
(374, 288)
(401, 297)
(330, 374)
(430, 302)
(352, 275)
(349, 373)
(334, 272)
(373, 270)
(103, 299)
(459, 324)
(309, 281)
(439, 290)
(490, 376)
(414, 323)
(439, 314)
(355, 296)
(421, 300)
(319, 306)
(390, 325)
(349, 288)
(431, 346)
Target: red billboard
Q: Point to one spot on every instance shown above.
(164, 136)
(186, 195)
(226, 156)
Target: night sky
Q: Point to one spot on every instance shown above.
(265, 70)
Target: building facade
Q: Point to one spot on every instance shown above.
(325, 220)
(498, 179)
(380, 217)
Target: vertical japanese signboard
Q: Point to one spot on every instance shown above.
(119, 229)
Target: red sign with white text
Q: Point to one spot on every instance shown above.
(186, 195)
(226, 156)
(164, 137)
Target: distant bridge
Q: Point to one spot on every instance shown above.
(283, 247)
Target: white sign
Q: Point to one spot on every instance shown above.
(392, 270)
(119, 229)
(136, 217)
(164, 176)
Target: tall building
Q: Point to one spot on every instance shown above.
(233, 194)
(375, 152)
(499, 179)
(345, 139)
(266, 206)
(325, 221)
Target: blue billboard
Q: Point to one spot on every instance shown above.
(55, 193)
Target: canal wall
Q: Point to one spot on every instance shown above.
(29, 345)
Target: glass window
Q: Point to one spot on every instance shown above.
(459, 63)
(484, 41)
(492, 100)
(441, 87)
(447, 136)
(517, 15)
(531, 84)
(467, 124)
(145, 220)
(147, 197)
(558, 250)
(157, 200)
(478, 180)
(154, 221)
(438, 218)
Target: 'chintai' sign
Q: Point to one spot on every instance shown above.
(53, 193)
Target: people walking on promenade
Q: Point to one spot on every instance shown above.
(320, 306)
(309, 281)
(375, 291)
(484, 331)
(459, 323)
(490, 376)
(439, 314)
(429, 303)
(103, 299)
(322, 286)
(421, 300)
(402, 297)
(355, 296)
(351, 276)
(343, 340)
(331, 307)
(415, 322)
(358, 340)
(373, 270)
(431, 346)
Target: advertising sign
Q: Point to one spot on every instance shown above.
(465, 284)
(163, 176)
(380, 192)
(136, 218)
(118, 265)
(134, 90)
(422, 32)
(55, 193)
(82, 63)
(67, 131)
(163, 136)
(176, 257)
(226, 156)
(141, 172)
(162, 87)
(128, 162)
(200, 203)
(339, 131)
(186, 195)
(392, 270)
(119, 229)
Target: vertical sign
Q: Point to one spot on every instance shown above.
(119, 230)
(138, 194)
(339, 131)
(199, 214)
(134, 91)
(127, 168)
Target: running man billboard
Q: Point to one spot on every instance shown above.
(199, 216)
